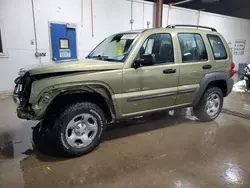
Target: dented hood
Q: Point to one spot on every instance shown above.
(74, 66)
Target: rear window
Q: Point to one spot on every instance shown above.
(218, 47)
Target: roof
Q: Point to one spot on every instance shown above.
(171, 28)
(179, 28)
(134, 31)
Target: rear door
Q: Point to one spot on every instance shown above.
(194, 64)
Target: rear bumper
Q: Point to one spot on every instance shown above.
(230, 83)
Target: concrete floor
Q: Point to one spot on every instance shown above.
(156, 151)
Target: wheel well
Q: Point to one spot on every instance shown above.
(61, 101)
(220, 84)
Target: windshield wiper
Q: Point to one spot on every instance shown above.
(110, 59)
(104, 58)
(97, 57)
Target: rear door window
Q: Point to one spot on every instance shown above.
(218, 47)
(192, 47)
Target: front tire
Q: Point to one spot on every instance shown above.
(79, 129)
(210, 105)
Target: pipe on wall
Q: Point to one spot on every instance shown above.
(131, 15)
(169, 9)
(178, 3)
(181, 2)
(37, 55)
(81, 13)
(198, 20)
(92, 17)
(158, 16)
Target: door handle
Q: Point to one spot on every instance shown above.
(169, 71)
(207, 67)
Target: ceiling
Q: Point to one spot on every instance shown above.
(236, 8)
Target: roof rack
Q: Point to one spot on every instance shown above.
(197, 26)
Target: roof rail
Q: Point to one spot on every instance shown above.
(197, 26)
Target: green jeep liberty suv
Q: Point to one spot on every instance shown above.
(128, 74)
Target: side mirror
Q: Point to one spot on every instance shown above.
(146, 60)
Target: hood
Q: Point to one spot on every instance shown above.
(73, 66)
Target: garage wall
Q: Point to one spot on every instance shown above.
(110, 16)
(182, 16)
(18, 26)
(19, 30)
(105, 22)
(232, 29)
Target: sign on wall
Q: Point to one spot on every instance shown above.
(239, 47)
(64, 53)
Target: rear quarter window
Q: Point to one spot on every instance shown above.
(218, 47)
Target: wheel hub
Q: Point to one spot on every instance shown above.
(213, 105)
(81, 130)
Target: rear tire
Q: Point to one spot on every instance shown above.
(79, 129)
(210, 105)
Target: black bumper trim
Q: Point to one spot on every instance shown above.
(154, 96)
(25, 113)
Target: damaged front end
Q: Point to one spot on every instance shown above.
(21, 95)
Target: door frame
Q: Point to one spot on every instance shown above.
(128, 65)
(50, 42)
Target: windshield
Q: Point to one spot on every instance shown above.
(114, 48)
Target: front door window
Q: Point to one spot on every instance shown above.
(160, 46)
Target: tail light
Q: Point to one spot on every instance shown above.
(232, 72)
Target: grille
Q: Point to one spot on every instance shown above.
(22, 90)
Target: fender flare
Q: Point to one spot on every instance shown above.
(98, 88)
(208, 78)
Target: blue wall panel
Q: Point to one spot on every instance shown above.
(60, 32)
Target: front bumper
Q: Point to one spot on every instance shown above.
(25, 113)
(230, 84)
(21, 95)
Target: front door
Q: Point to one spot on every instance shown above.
(154, 87)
